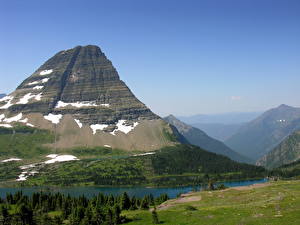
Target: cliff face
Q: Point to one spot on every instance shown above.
(78, 92)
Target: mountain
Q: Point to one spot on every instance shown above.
(2, 95)
(78, 95)
(197, 137)
(219, 131)
(222, 118)
(258, 137)
(288, 151)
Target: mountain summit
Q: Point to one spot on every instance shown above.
(78, 94)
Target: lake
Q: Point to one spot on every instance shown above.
(90, 191)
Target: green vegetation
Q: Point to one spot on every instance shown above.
(182, 164)
(24, 142)
(276, 204)
(287, 171)
(56, 209)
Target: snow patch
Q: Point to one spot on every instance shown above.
(143, 154)
(53, 118)
(96, 127)
(105, 105)
(46, 72)
(61, 158)
(14, 118)
(27, 166)
(45, 80)
(123, 127)
(107, 146)
(25, 99)
(6, 125)
(52, 156)
(8, 100)
(11, 159)
(2, 116)
(38, 87)
(78, 123)
(22, 176)
(61, 104)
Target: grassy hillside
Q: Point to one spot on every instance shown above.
(276, 204)
(24, 142)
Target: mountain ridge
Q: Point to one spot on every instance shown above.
(261, 135)
(199, 138)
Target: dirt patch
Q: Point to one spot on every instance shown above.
(184, 198)
(249, 187)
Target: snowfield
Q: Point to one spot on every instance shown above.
(53, 118)
(78, 123)
(123, 127)
(11, 159)
(8, 100)
(96, 127)
(25, 99)
(61, 158)
(46, 72)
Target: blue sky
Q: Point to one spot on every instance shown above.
(182, 57)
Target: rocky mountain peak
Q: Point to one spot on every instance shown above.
(82, 88)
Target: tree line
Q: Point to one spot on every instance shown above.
(43, 208)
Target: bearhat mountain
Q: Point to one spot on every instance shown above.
(78, 95)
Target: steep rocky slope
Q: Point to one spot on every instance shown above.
(78, 94)
(199, 138)
(258, 137)
(286, 152)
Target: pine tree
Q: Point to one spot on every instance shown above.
(125, 201)
(155, 219)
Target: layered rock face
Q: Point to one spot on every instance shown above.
(78, 92)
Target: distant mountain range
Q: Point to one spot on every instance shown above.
(219, 131)
(260, 136)
(2, 95)
(222, 118)
(220, 126)
(199, 138)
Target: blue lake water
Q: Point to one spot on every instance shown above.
(90, 191)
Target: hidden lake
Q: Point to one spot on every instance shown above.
(90, 191)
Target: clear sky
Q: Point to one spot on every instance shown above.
(182, 57)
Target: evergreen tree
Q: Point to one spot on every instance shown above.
(125, 201)
(155, 219)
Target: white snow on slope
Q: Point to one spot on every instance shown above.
(78, 123)
(22, 176)
(52, 156)
(96, 127)
(61, 104)
(25, 99)
(38, 87)
(147, 153)
(61, 158)
(6, 125)
(11, 159)
(105, 105)
(107, 146)
(53, 118)
(123, 127)
(2, 116)
(8, 100)
(39, 81)
(45, 72)
(14, 118)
